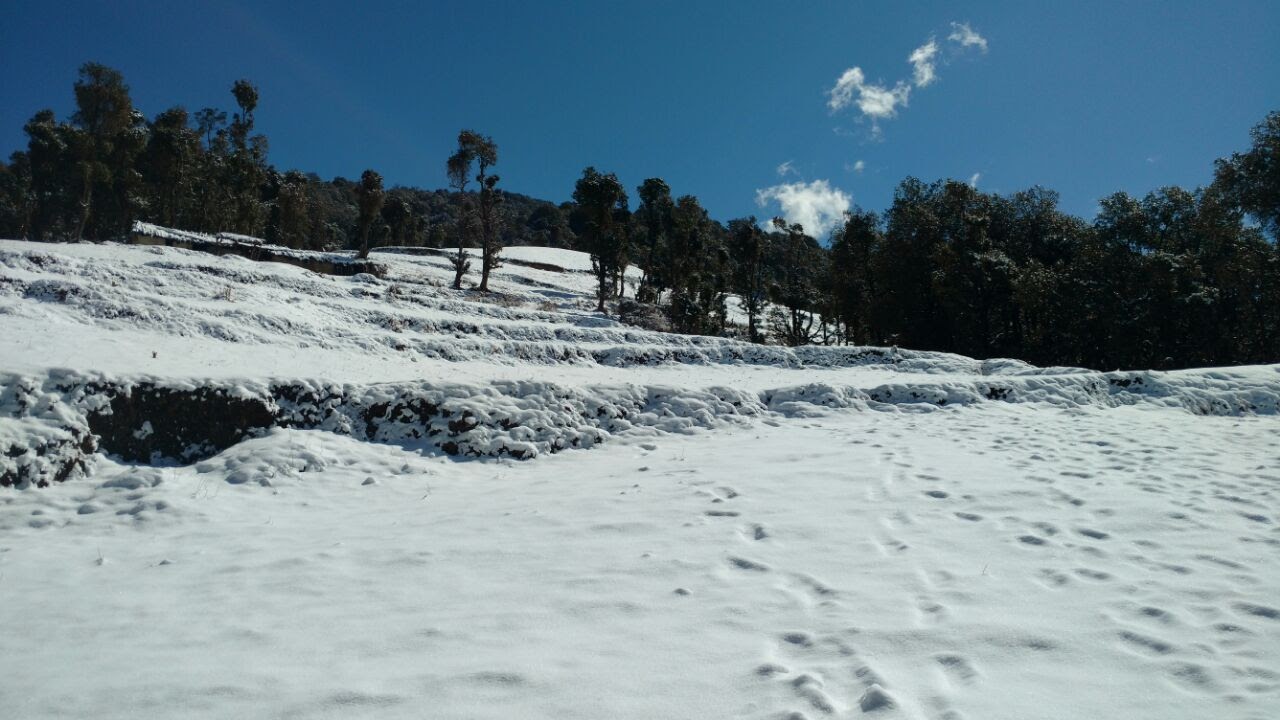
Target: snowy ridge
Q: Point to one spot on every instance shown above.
(55, 422)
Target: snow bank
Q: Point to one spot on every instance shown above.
(52, 424)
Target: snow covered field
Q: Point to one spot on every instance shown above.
(766, 534)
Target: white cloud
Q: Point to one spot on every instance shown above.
(786, 169)
(924, 60)
(875, 101)
(973, 180)
(816, 206)
(880, 101)
(859, 166)
(966, 36)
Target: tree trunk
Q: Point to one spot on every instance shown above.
(86, 199)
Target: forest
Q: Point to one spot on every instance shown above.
(1176, 278)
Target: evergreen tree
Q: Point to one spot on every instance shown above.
(399, 220)
(1252, 179)
(52, 172)
(371, 196)
(458, 169)
(853, 279)
(480, 150)
(697, 272)
(792, 324)
(291, 213)
(604, 205)
(246, 165)
(654, 218)
(104, 115)
(750, 276)
(15, 194)
(170, 164)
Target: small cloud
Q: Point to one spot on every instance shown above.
(973, 180)
(924, 60)
(786, 169)
(1153, 159)
(816, 206)
(880, 101)
(874, 101)
(857, 167)
(965, 36)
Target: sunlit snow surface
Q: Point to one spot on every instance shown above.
(1065, 556)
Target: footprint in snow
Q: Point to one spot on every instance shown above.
(957, 669)
(1145, 644)
(745, 564)
(1261, 611)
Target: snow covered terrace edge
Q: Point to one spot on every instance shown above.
(253, 249)
(52, 427)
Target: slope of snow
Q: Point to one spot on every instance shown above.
(767, 533)
(1115, 563)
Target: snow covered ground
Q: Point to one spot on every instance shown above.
(771, 534)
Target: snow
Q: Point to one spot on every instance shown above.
(753, 533)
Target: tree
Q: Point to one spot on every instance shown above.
(209, 121)
(370, 195)
(750, 277)
(603, 203)
(292, 211)
(697, 272)
(852, 279)
(398, 217)
(1252, 179)
(458, 169)
(15, 196)
(170, 163)
(547, 227)
(793, 323)
(483, 152)
(654, 216)
(53, 174)
(104, 112)
(246, 165)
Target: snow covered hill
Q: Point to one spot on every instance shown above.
(274, 493)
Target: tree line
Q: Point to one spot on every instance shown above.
(1175, 278)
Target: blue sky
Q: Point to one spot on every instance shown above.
(1085, 98)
